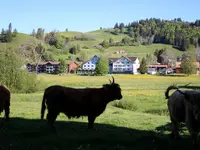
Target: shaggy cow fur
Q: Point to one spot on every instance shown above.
(5, 101)
(182, 110)
(90, 102)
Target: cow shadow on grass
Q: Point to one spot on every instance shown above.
(21, 133)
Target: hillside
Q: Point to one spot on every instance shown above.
(87, 46)
(20, 39)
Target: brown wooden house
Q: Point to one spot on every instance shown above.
(45, 67)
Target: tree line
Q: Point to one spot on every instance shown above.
(7, 36)
(180, 34)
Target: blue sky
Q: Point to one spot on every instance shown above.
(88, 15)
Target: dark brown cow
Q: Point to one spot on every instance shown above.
(182, 109)
(5, 101)
(74, 102)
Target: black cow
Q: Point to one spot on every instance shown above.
(182, 108)
(5, 101)
(74, 102)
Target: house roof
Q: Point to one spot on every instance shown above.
(51, 62)
(73, 62)
(132, 59)
(157, 66)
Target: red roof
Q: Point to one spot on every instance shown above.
(157, 66)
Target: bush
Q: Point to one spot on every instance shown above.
(128, 105)
(13, 76)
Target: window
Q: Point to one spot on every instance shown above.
(49, 69)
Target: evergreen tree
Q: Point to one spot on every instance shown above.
(40, 34)
(143, 66)
(15, 32)
(101, 66)
(2, 35)
(10, 27)
(116, 26)
(33, 33)
(8, 36)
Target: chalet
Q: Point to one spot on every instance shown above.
(88, 66)
(44, 67)
(178, 68)
(72, 67)
(124, 65)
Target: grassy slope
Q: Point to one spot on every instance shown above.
(18, 40)
(115, 129)
(99, 35)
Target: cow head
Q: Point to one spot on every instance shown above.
(114, 90)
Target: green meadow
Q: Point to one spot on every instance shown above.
(138, 121)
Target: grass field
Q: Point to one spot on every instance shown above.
(139, 122)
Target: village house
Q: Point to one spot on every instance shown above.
(120, 52)
(154, 68)
(44, 67)
(124, 65)
(89, 66)
(72, 67)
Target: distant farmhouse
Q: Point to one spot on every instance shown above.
(125, 65)
(71, 67)
(44, 67)
(120, 52)
(88, 67)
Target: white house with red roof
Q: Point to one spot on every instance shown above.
(124, 64)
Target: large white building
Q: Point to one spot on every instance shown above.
(124, 65)
(88, 66)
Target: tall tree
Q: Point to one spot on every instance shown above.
(8, 36)
(40, 34)
(116, 26)
(101, 66)
(33, 33)
(143, 66)
(10, 27)
(15, 32)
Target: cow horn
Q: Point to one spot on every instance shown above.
(113, 79)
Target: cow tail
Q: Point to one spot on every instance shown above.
(43, 106)
(168, 89)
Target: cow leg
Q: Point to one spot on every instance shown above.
(192, 126)
(175, 130)
(7, 110)
(91, 120)
(51, 117)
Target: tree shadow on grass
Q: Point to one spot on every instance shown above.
(21, 133)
